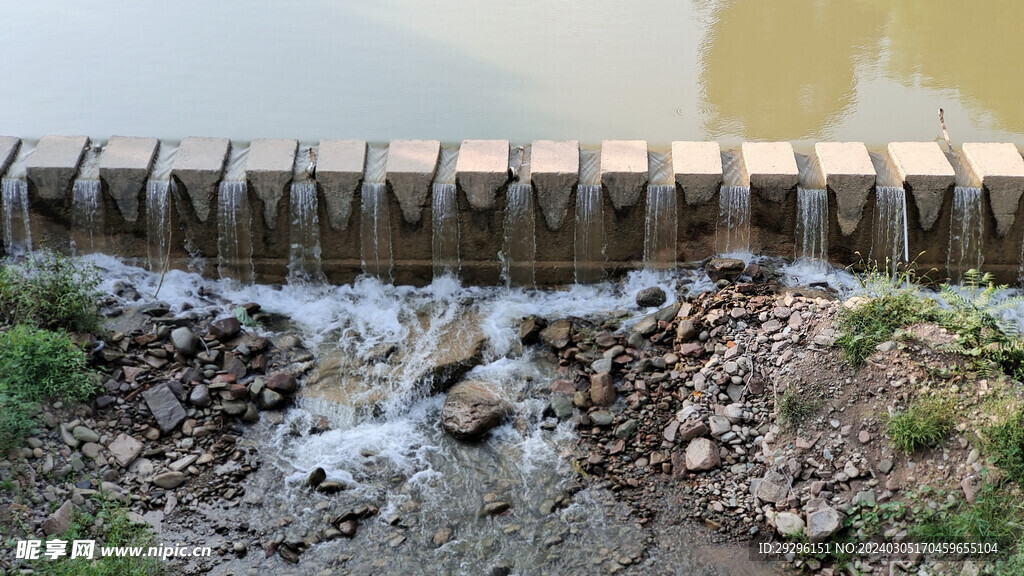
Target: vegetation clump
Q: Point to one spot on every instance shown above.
(50, 291)
(925, 423)
(1006, 444)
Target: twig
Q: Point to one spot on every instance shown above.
(945, 134)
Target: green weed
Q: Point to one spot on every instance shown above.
(926, 422)
(51, 291)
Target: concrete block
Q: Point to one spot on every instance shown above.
(199, 165)
(339, 169)
(698, 169)
(481, 169)
(124, 165)
(770, 167)
(268, 168)
(554, 171)
(848, 171)
(624, 170)
(54, 164)
(410, 170)
(9, 146)
(1000, 169)
(927, 172)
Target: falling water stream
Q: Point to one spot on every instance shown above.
(14, 204)
(445, 214)
(87, 205)
(589, 255)
(375, 224)
(732, 233)
(889, 243)
(234, 221)
(965, 232)
(812, 225)
(519, 246)
(158, 208)
(661, 221)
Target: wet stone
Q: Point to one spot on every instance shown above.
(650, 297)
(627, 428)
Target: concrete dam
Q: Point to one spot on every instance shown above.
(547, 213)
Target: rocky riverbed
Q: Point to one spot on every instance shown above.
(640, 432)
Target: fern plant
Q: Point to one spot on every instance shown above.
(975, 315)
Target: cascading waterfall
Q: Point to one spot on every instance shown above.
(158, 225)
(17, 232)
(375, 224)
(812, 225)
(304, 262)
(661, 221)
(234, 223)
(889, 244)
(519, 249)
(965, 233)
(732, 234)
(444, 207)
(588, 254)
(86, 216)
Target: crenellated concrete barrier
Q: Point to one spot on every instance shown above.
(485, 169)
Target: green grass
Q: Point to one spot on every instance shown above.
(796, 406)
(36, 365)
(997, 516)
(893, 302)
(50, 291)
(1005, 444)
(117, 530)
(925, 423)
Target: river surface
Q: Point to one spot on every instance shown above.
(865, 70)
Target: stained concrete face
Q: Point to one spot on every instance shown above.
(124, 167)
(199, 166)
(339, 169)
(9, 146)
(923, 168)
(410, 169)
(770, 168)
(698, 170)
(850, 175)
(53, 165)
(268, 168)
(624, 170)
(1000, 169)
(554, 171)
(481, 169)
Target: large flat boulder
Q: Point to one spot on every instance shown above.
(473, 408)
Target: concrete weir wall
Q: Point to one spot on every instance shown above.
(483, 171)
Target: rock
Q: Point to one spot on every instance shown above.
(557, 335)
(529, 330)
(225, 328)
(441, 536)
(773, 487)
(627, 428)
(789, 524)
(702, 454)
(865, 498)
(165, 407)
(184, 341)
(646, 326)
(234, 407)
(668, 313)
(270, 400)
(823, 523)
(602, 365)
(719, 425)
(234, 366)
(60, 521)
(494, 508)
(288, 555)
(724, 268)
(650, 297)
(971, 485)
(330, 487)
(83, 434)
(692, 349)
(685, 330)
(200, 396)
(562, 406)
(92, 450)
(886, 346)
(885, 465)
(691, 429)
(601, 417)
(125, 449)
(471, 409)
(602, 389)
(282, 383)
(169, 480)
(348, 528)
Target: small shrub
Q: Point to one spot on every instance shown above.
(1006, 444)
(995, 517)
(51, 291)
(926, 422)
(35, 365)
(796, 406)
(893, 303)
(117, 530)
